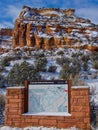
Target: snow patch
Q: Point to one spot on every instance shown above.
(80, 87)
(92, 33)
(53, 12)
(49, 113)
(36, 128)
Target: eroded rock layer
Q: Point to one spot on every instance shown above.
(50, 28)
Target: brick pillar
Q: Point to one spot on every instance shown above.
(80, 107)
(14, 105)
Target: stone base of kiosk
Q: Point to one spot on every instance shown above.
(79, 115)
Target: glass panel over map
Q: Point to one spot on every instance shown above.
(48, 98)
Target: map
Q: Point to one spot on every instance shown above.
(48, 98)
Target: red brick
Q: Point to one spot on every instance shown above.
(88, 126)
(15, 100)
(47, 122)
(74, 101)
(87, 114)
(75, 93)
(9, 123)
(21, 96)
(82, 100)
(86, 108)
(76, 108)
(32, 120)
(35, 124)
(34, 117)
(21, 105)
(51, 117)
(12, 105)
(80, 108)
(84, 92)
(17, 120)
(78, 114)
(65, 124)
(17, 124)
(57, 117)
(26, 116)
(7, 101)
(84, 126)
(68, 118)
(14, 116)
(13, 111)
(87, 120)
(22, 125)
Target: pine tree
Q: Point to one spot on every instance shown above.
(52, 68)
(14, 75)
(24, 71)
(19, 73)
(5, 61)
(65, 71)
(40, 64)
(2, 79)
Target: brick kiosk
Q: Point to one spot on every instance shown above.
(79, 116)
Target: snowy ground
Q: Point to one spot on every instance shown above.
(35, 128)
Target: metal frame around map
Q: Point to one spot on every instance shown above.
(46, 82)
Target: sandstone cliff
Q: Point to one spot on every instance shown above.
(5, 39)
(49, 28)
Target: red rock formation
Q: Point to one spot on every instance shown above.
(6, 32)
(49, 28)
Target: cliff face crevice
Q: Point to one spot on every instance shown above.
(49, 28)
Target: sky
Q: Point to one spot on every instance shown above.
(10, 9)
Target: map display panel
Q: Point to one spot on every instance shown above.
(48, 98)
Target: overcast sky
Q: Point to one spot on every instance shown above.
(9, 9)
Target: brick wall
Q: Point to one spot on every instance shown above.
(79, 103)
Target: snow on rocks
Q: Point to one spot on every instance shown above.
(92, 33)
(84, 24)
(53, 12)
